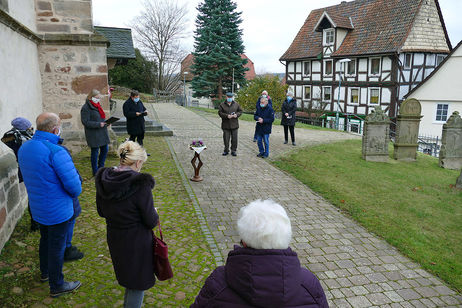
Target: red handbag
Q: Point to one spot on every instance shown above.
(162, 267)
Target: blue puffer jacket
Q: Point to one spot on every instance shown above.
(267, 114)
(50, 177)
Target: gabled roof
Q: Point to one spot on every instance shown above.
(380, 27)
(189, 60)
(434, 71)
(121, 42)
(337, 21)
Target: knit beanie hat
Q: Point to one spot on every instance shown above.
(21, 123)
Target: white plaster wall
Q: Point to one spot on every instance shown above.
(21, 85)
(386, 64)
(299, 67)
(316, 66)
(24, 12)
(341, 34)
(428, 125)
(291, 67)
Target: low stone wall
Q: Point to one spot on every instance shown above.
(13, 196)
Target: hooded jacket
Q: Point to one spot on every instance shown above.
(261, 278)
(124, 198)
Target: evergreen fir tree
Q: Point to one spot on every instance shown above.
(218, 48)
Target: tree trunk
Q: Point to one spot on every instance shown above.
(220, 89)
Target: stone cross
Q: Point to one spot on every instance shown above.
(407, 130)
(376, 136)
(451, 143)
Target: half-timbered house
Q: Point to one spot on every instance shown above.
(353, 56)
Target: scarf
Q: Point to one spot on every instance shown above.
(100, 109)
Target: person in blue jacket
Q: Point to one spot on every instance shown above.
(52, 182)
(264, 94)
(264, 115)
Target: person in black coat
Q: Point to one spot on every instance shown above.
(135, 112)
(264, 94)
(124, 199)
(264, 115)
(92, 116)
(288, 109)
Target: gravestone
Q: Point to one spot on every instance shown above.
(451, 143)
(407, 130)
(459, 181)
(376, 136)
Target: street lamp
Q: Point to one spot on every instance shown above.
(339, 88)
(184, 86)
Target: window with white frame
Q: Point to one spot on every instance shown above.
(326, 94)
(306, 68)
(374, 96)
(354, 96)
(374, 66)
(442, 112)
(439, 59)
(328, 68)
(351, 68)
(407, 60)
(329, 37)
(307, 92)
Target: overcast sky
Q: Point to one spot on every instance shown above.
(269, 26)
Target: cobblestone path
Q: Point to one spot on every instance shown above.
(356, 268)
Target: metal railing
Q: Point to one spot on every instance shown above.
(430, 145)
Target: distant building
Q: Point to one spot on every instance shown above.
(440, 94)
(392, 44)
(121, 47)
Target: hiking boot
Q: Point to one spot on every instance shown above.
(72, 253)
(67, 287)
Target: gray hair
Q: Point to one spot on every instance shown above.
(264, 92)
(264, 225)
(93, 93)
(134, 93)
(290, 92)
(47, 121)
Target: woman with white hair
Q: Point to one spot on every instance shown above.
(264, 271)
(288, 109)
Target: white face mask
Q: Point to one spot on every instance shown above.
(95, 100)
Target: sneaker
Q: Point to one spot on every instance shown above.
(233, 153)
(294, 144)
(285, 142)
(72, 253)
(225, 153)
(67, 287)
(44, 278)
(259, 155)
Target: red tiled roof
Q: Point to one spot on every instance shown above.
(380, 26)
(189, 60)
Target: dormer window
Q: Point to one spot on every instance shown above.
(329, 37)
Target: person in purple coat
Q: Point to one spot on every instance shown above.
(263, 271)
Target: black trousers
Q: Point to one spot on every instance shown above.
(227, 133)
(139, 137)
(292, 132)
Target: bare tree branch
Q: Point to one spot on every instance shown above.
(158, 30)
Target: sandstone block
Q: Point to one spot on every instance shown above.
(97, 54)
(53, 28)
(64, 116)
(44, 6)
(102, 69)
(83, 69)
(73, 9)
(47, 68)
(84, 84)
(13, 198)
(54, 19)
(45, 14)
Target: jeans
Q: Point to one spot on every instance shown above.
(139, 138)
(51, 252)
(70, 232)
(263, 139)
(98, 162)
(133, 298)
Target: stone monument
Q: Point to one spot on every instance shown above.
(451, 143)
(376, 136)
(459, 181)
(407, 130)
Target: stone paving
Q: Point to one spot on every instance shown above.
(356, 268)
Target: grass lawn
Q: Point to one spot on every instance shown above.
(190, 256)
(249, 117)
(411, 205)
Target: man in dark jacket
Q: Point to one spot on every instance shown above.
(229, 111)
(288, 109)
(135, 112)
(264, 271)
(52, 182)
(21, 131)
(264, 115)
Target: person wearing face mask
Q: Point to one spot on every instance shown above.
(92, 116)
(135, 112)
(52, 182)
(264, 94)
(229, 111)
(124, 199)
(288, 109)
(264, 115)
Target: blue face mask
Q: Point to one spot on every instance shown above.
(264, 96)
(136, 100)
(229, 99)
(262, 105)
(289, 98)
